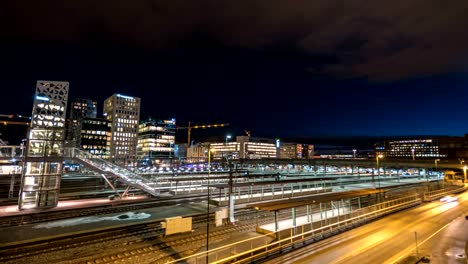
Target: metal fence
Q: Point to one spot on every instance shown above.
(433, 195)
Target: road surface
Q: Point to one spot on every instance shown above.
(440, 230)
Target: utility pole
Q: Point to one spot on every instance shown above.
(231, 195)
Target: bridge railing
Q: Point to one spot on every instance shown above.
(433, 195)
(104, 166)
(11, 151)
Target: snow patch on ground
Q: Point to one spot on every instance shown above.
(93, 219)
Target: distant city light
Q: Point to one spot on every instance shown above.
(43, 98)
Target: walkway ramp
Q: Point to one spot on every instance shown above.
(110, 169)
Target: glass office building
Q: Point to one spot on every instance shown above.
(156, 142)
(95, 136)
(447, 147)
(79, 109)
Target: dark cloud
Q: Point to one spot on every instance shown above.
(371, 39)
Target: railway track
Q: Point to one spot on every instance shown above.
(141, 243)
(107, 209)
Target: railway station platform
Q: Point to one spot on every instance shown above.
(302, 220)
(12, 210)
(267, 194)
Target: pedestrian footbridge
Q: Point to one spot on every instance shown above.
(109, 169)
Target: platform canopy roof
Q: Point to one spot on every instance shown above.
(312, 199)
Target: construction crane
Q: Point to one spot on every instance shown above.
(9, 120)
(190, 127)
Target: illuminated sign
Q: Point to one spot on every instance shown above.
(125, 97)
(42, 98)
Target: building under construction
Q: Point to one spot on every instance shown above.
(13, 128)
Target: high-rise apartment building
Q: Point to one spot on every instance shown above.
(156, 142)
(123, 112)
(80, 109)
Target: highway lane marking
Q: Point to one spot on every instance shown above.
(408, 251)
(376, 238)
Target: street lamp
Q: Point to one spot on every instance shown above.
(228, 137)
(464, 173)
(354, 153)
(23, 146)
(412, 152)
(208, 204)
(378, 157)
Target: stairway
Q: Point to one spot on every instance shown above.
(110, 169)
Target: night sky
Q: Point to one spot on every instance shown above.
(277, 68)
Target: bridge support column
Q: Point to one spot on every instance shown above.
(12, 186)
(320, 209)
(294, 219)
(326, 214)
(232, 218)
(276, 221)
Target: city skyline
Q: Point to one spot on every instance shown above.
(310, 70)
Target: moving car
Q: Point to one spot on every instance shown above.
(449, 199)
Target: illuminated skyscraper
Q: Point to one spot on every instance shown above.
(124, 114)
(50, 104)
(40, 182)
(80, 109)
